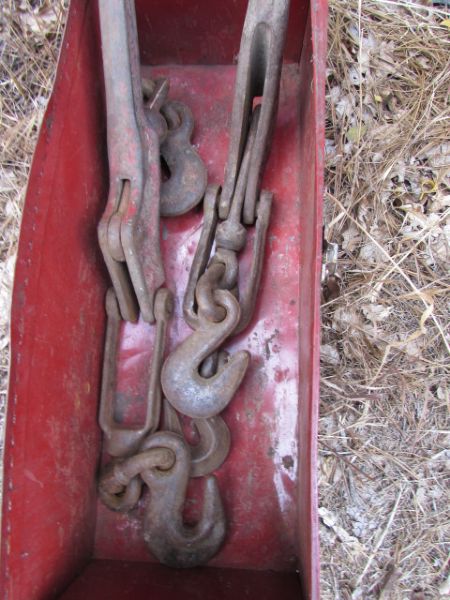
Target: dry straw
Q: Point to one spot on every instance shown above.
(385, 359)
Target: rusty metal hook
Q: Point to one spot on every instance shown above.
(231, 234)
(184, 387)
(169, 539)
(230, 237)
(120, 439)
(188, 177)
(222, 256)
(214, 440)
(258, 75)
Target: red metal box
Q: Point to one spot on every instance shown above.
(57, 539)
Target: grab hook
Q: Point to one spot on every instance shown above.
(169, 539)
(214, 440)
(188, 177)
(190, 393)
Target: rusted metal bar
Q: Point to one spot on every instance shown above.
(202, 254)
(230, 233)
(129, 229)
(258, 76)
(249, 293)
(121, 439)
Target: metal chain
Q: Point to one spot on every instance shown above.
(199, 378)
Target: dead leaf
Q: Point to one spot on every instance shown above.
(376, 312)
(329, 354)
(354, 134)
(351, 238)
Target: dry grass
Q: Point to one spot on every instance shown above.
(384, 411)
(385, 360)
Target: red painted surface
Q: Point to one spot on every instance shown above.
(169, 584)
(204, 32)
(52, 439)
(312, 126)
(52, 525)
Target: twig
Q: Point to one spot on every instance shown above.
(380, 540)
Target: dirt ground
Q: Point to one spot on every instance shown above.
(384, 436)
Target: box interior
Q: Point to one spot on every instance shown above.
(56, 534)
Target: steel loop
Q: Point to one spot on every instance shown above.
(120, 483)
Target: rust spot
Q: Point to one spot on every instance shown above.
(288, 462)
